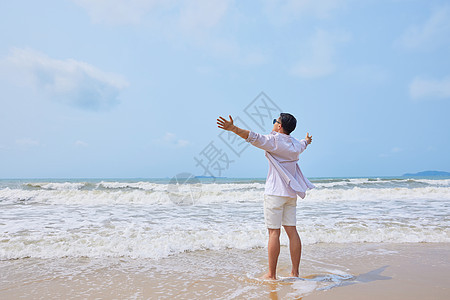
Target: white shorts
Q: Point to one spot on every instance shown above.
(279, 210)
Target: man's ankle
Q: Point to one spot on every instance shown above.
(270, 276)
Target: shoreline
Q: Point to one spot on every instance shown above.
(329, 271)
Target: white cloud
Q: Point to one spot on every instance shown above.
(198, 23)
(119, 12)
(366, 74)
(182, 143)
(191, 16)
(232, 50)
(393, 151)
(396, 150)
(317, 60)
(27, 142)
(197, 16)
(81, 144)
(430, 88)
(171, 140)
(283, 11)
(254, 58)
(168, 137)
(202, 22)
(69, 81)
(433, 33)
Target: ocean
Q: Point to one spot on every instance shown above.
(161, 223)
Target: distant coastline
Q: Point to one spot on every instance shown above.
(428, 174)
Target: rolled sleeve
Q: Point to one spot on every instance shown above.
(265, 142)
(251, 137)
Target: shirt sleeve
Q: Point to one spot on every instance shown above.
(303, 145)
(265, 142)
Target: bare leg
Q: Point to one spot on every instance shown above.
(295, 247)
(274, 251)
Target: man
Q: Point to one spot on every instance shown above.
(284, 182)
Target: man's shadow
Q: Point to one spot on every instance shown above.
(370, 276)
(335, 280)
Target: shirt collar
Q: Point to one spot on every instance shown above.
(281, 134)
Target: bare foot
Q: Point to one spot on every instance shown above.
(294, 274)
(268, 277)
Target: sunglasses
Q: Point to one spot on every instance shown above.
(276, 121)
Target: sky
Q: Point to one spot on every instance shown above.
(132, 89)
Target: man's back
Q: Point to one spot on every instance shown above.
(282, 151)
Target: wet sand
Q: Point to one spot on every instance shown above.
(410, 271)
(329, 271)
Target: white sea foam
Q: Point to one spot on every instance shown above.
(124, 241)
(372, 194)
(381, 182)
(213, 194)
(142, 185)
(324, 184)
(344, 182)
(438, 182)
(57, 185)
(141, 219)
(149, 233)
(138, 244)
(302, 288)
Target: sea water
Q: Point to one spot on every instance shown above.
(142, 218)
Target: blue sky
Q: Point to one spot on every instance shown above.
(133, 88)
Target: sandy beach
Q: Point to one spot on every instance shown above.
(329, 271)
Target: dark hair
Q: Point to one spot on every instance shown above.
(288, 122)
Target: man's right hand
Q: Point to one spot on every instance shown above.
(224, 124)
(308, 138)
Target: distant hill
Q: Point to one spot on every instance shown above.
(428, 174)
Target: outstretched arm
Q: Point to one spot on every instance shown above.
(228, 125)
